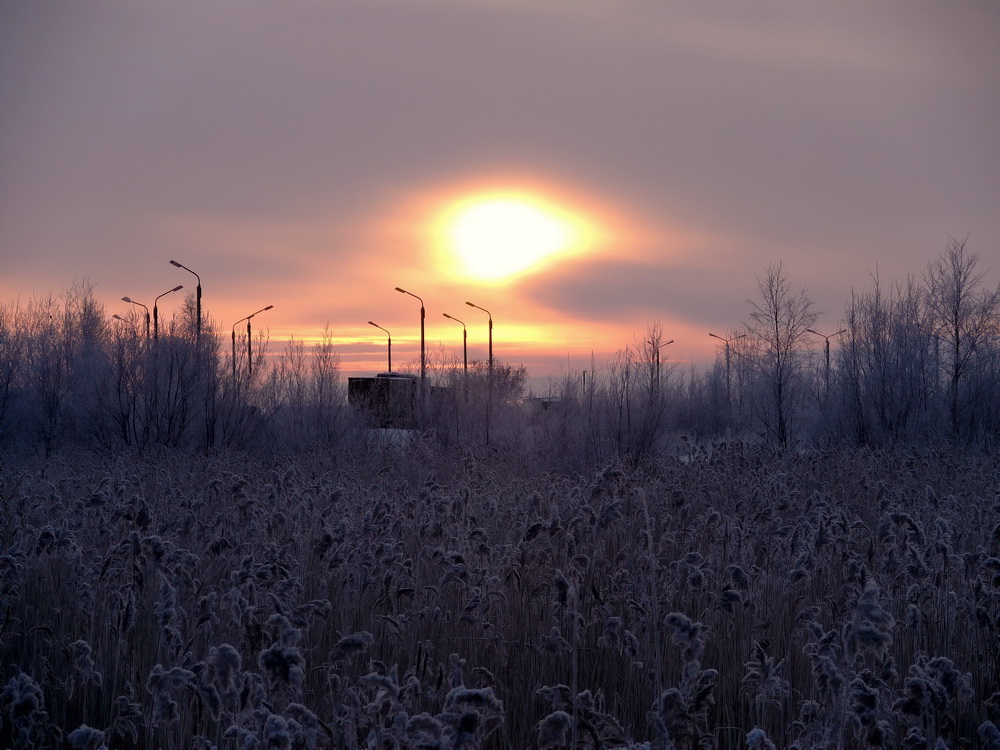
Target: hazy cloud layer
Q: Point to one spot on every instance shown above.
(270, 145)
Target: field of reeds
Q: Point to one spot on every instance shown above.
(736, 598)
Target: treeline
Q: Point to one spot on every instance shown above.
(914, 363)
(72, 376)
(911, 363)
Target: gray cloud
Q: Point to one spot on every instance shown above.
(262, 142)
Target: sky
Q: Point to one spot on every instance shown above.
(583, 169)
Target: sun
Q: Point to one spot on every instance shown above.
(497, 236)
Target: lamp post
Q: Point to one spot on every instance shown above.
(930, 333)
(656, 359)
(156, 316)
(726, 342)
(826, 352)
(465, 341)
(390, 342)
(129, 323)
(491, 331)
(423, 358)
(133, 302)
(249, 350)
(197, 298)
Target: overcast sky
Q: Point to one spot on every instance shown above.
(298, 153)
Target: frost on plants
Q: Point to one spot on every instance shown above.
(439, 601)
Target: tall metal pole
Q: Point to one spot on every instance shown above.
(390, 342)
(490, 315)
(423, 356)
(133, 302)
(729, 387)
(156, 316)
(249, 350)
(197, 298)
(937, 360)
(656, 360)
(729, 394)
(465, 341)
(826, 352)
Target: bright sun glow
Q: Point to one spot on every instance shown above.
(497, 236)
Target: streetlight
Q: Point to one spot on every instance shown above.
(656, 357)
(197, 298)
(156, 316)
(423, 359)
(931, 334)
(249, 351)
(826, 351)
(465, 341)
(390, 342)
(126, 322)
(726, 341)
(491, 331)
(133, 302)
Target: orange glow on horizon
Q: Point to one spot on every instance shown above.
(515, 343)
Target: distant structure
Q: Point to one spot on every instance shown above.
(537, 404)
(388, 400)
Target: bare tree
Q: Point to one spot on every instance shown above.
(965, 317)
(328, 393)
(886, 365)
(779, 320)
(11, 356)
(118, 400)
(651, 402)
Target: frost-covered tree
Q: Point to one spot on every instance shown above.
(779, 321)
(965, 315)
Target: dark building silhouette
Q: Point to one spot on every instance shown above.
(389, 400)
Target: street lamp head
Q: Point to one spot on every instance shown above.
(448, 316)
(175, 263)
(127, 299)
(470, 304)
(373, 323)
(247, 318)
(732, 338)
(175, 289)
(417, 297)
